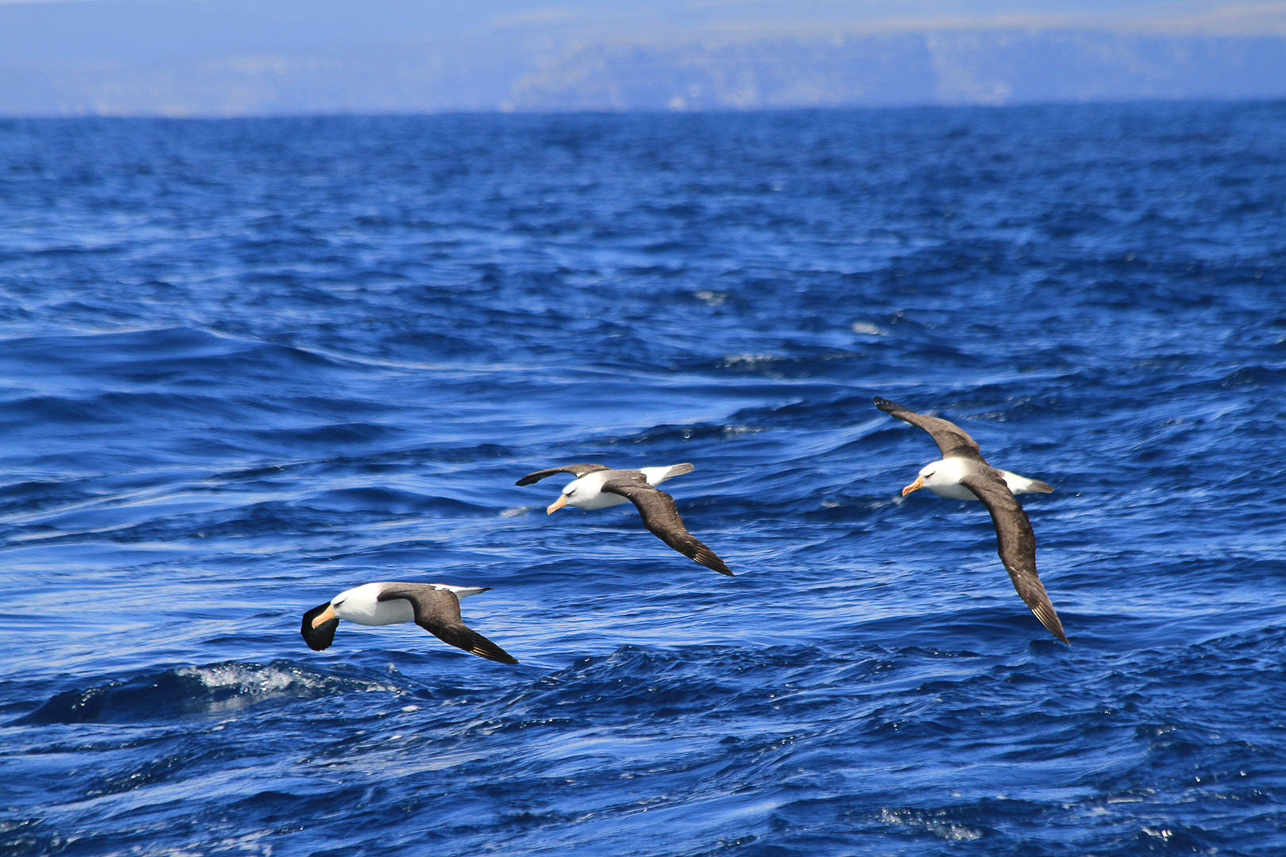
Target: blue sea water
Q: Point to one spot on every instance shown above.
(247, 364)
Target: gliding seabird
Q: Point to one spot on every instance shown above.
(435, 607)
(963, 474)
(598, 486)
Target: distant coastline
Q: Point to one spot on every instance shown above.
(523, 72)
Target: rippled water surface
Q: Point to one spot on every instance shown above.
(247, 364)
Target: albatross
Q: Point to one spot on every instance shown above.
(963, 474)
(435, 607)
(598, 486)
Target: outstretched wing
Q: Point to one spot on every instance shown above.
(1016, 544)
(438, 612)
(950, 438)
(577, 470)
(660, 515)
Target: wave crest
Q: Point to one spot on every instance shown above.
(195, 691)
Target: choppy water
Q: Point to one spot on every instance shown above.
(245, 365)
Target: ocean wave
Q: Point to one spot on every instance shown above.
(186, 692)
(244, 365)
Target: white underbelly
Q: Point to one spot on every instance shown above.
(953, 492)
(378, 613)
(602, 501)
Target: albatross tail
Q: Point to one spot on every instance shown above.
(656, 475)
(1022, 485)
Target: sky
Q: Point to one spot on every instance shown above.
(239, 57)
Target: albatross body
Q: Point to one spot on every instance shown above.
(963, 474)
(435, 607)
(945, 478)
(598, 486)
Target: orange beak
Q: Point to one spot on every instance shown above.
(914, 486)
(557, 504)
(323, 617)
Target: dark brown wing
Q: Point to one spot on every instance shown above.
(950, 438)
(438, 612)
(661, 516)
(1016, 544)
(577, 470)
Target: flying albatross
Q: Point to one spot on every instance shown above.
(598, 486)
(435, 607)
(963, 474)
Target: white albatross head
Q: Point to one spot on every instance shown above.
(943, 477)
(586, 493)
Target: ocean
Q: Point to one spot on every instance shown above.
(247, 364)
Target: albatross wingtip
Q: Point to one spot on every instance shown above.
(1050, 620)
(319, 636)
(711, 560)
(887, 406)
(498, 655)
